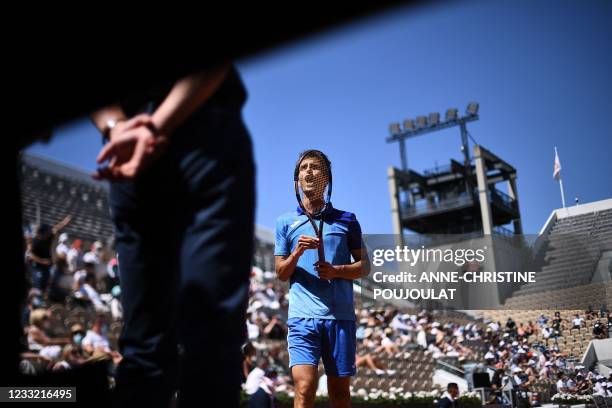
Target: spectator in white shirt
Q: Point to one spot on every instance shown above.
(62, 247)
(599, 386)
(562, 384)
(94, 257)
(88, 292)
(252, 330)
(74, 256)
(577, 323)
(546, 333)
(96, 339)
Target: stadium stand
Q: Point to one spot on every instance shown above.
(573, 248)
(50, 191)
(402, 350)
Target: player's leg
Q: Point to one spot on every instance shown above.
(339, 391)
(338, 350)
(305, 378)
(304, 346)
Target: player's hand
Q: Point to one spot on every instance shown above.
(305, 242)
(133, 146)
(326, 270)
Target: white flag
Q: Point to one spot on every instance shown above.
(557, 167)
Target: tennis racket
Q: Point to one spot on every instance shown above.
(313, 187)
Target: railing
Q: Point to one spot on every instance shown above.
(424, 207)
(435, 203)
(502, 199)
(443, 365)
(445, 168)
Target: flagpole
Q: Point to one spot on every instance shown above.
(560, 182)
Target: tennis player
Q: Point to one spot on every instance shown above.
(321, 321)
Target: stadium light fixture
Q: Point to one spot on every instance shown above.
(421, 121)
(451, 114)
(472, 108)
(434, 119)
(394, 129)
(409, 125)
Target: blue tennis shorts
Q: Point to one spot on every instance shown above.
(334, 341)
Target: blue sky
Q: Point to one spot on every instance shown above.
(539, 69)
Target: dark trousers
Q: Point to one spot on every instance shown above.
(40, 277)
(261, 399)
(184, 236)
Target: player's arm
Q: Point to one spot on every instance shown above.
(360, 266)
(352, 271)
(62, 224)
(285, 265)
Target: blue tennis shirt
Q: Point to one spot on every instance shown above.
(310, 296)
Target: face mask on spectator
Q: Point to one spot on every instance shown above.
(77, 338)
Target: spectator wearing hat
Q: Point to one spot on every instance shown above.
(520, 378)
(546, 373)
(37, 337)
(583, 386)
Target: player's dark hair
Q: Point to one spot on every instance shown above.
(312, 153)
